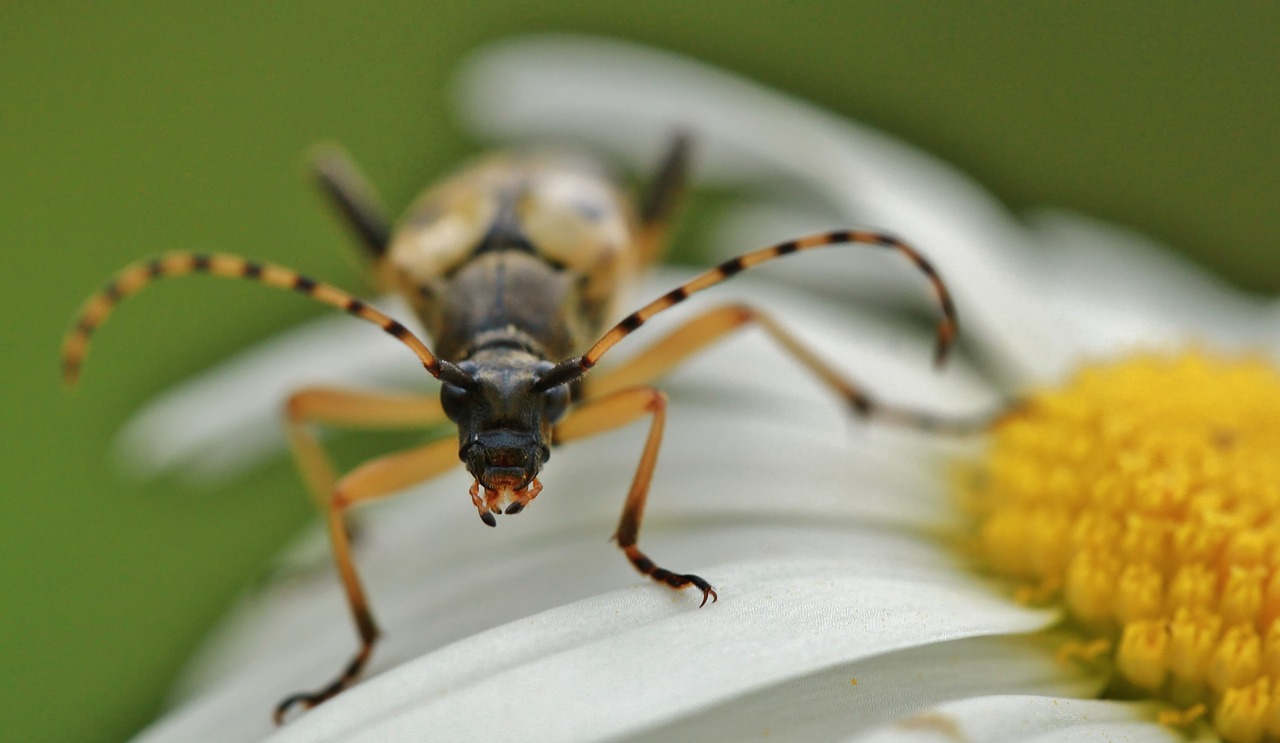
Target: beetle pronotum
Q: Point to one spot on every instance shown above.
(512, 265)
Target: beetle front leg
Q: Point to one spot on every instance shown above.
(371, 481)
(347, 409)
(613, 411)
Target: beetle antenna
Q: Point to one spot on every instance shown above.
(572, 369)
(132, 278)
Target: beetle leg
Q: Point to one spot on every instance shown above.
(661, 197)
(370, 481)
(341, 180)
(613, 411)
(706, 329)
(347, 409)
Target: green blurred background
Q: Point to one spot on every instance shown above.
(126, 131)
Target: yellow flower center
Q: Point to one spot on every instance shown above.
(1145, 497)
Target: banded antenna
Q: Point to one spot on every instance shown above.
(572, 369)
(134, 277)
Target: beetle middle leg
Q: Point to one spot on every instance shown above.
(704, 330)
(370, 481)
(612, 411)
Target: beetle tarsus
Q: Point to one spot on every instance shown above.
(703, 586)
(685, 581)
(307, 700)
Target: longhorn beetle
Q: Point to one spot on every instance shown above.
(513, 266)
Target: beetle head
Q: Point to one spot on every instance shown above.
(504, 426)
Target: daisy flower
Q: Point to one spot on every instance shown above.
(1111, 537)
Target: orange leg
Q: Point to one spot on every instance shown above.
(371, 481)
(706, 329)
(607, 413)
(347, 409)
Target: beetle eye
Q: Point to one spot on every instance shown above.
(556, 402)
(454, 401)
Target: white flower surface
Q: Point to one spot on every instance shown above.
(843, 614)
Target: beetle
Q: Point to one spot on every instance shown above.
(513, 265)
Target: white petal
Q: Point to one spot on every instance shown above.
(1114, 290)
(781, 623)
(625, 660)
(835, 702)
(625, 98)
(1108, 290)
(1030, 719)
